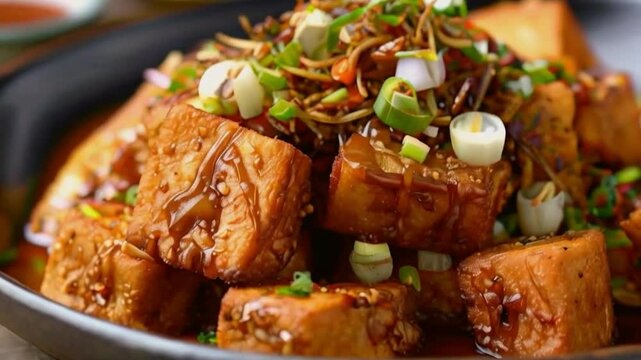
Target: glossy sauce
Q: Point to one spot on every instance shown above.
(17, 13)
(440, 341)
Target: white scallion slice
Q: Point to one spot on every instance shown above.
(249, 93)
(215, 76)
(422, 73)
(500, 233)
(433, 261)
(431, 131)
(371, 263)
(312, 34)
(540, 212)
(414, 149)
(367, 249)
(478, 138)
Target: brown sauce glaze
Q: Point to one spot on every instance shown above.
(200, 206)
(503, 309)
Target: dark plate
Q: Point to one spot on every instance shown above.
(43, 100)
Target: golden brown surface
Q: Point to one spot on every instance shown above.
(609, 122)
(544, 298)
(114, 154)
(219, 199)
(546, 122)
(343, 320)
(538, 29)
(444, 205)
(91, 269)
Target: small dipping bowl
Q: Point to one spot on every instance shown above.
(31, 20)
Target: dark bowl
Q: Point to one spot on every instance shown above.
(45, 98)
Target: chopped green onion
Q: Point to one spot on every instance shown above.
(414, 149)
(88, 211)
(603, 199)
(267, 60)
(367, 249)
(188, 72)
(450, 8)
(409, 276)
(522, 86)
(300, 287)
(427, 54)
(540, 209)
(7, 256)
(618, 282)
(478, 138)
(473, 53)
(175, 86)
(539, 72)
(406, 118)
(499, 232)
(249, 93)
(214, 105)
(616, 239)
(390, 19)
(335, 97)
(312, 34)
(131, 195)
(283, 110)
(273, 80)
(628, 175)
(340, 22)
(433, 261)
(290, 56)
(207, 337)
(371, 263)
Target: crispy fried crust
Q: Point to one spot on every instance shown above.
(219, 199)
(91, 269)
(343, 320)
(609, 122)
(538, 29)
(544, 298)
(444, 206)
(546, 123)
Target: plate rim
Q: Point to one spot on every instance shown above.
(15, 297)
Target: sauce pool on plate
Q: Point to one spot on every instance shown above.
(18, 13)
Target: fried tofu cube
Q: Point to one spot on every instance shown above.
(538, 29)
(443, 205)
(439, 298)
(339, 320)
(609, 123)
(548, 297)
(111, 157)
(546, 123)
(93, 270)
(220, 200)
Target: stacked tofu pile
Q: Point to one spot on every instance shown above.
(220, 210)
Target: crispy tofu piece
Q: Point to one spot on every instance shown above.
(446, 206)
(219, 199)
(440, 295)
(609, 123)
(546, 123)
(93, 270)
(112, 157)
(340, 320)
(538, 29)
(547, 297)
